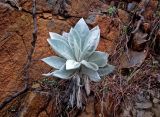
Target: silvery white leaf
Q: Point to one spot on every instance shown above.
(82, 28)
(93, 38)
(56, 36)
(74, 35)
(106, 70)
(70, 39)
(89, 65)
(93, 75)
(63, 73)
(91, 42)
(54, 61)
(61, 48)
(72, 64)
(74, 41)
(77, 51)
(48, 74)
(99, 58)
(65, 35)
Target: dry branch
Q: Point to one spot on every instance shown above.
(141, 17)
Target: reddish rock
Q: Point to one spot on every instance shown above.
(81, 8)
(47, 16)
(123, 16)
(146, 27)
(13, 35)
(41, 5)
(43, 114)
(89, 109)
(150, 9)
(34, 103)
(106, 46)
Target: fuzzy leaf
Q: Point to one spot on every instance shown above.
(106, 70)
(91, 42)
(72, 64)
(56, 36)
(82, 29)
(65, 35)
(74, 36)
(89, 65)
(71, 40)
(93, 75)
(61, 48)
(77, 51)
(54, 61)
(75, 43)
(99, 58)
(63, 73)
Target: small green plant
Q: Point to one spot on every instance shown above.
(112, 10)
(78, 59)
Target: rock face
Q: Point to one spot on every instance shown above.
(16, 35)
(56, 16)
(143, 108)
(13, 36)
(34, 104)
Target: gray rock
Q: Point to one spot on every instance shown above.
(155, 100)
(156, 110)
(144, 105)
(131, 6)
(144, 114)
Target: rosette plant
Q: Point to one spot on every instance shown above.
(78, 59)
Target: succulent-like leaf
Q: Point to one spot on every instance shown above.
(89, 65)
(61, 48)
(93, 75)
(65, 35)
(75, 43)
(74, 36)
(54, 61)
(63, 73)
(56, 36)
(77, 51)
(82, 29)
(72, 64)
(106, 70)
(91, 42)
(71, 40)
(99, 58)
